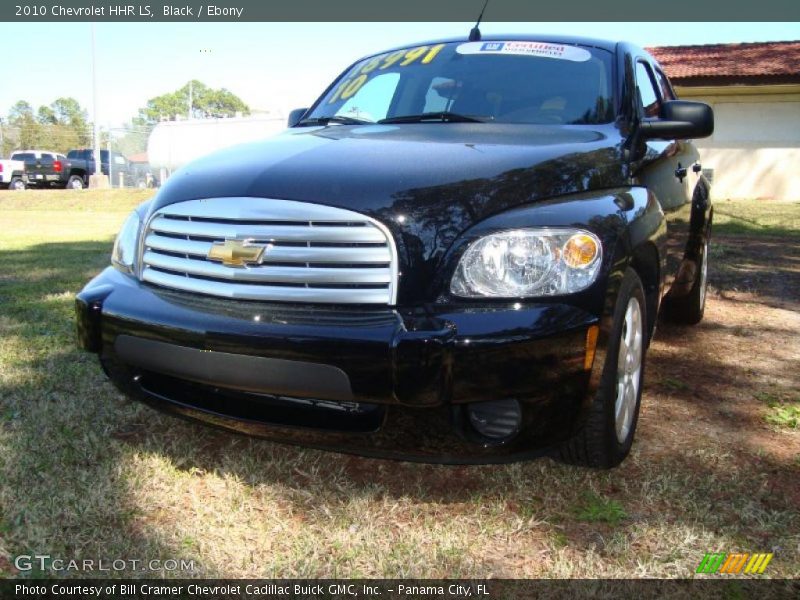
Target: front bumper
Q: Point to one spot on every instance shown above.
(376, 381)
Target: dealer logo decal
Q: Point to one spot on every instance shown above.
(720, 562)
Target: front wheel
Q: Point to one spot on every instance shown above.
(606, 437)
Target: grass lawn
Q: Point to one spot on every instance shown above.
(84, 473)
(757, 218)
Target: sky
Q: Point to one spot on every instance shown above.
(272, 66)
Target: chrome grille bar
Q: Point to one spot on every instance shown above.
(265, 292)
(268, 233)
(204, 268)
(295, 254)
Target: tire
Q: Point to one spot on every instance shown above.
(17, 184)
(605, 440)
(689, 309)
(75, 182)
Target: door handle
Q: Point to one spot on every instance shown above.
(680, 172)
(697, 167)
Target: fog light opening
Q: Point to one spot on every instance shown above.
(497, 420)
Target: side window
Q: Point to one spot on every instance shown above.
(663, 84)
(372, 101)
(47, 157)
(647, 90)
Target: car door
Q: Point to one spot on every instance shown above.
(665, 169)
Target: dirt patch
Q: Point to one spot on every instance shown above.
(709, 387)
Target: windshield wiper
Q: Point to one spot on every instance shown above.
(342, 120)
(442, 116)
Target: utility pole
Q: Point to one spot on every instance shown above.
(97, 180)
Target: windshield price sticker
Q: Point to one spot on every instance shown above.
(400, 58)
(539, 49)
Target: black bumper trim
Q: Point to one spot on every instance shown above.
(237, 371)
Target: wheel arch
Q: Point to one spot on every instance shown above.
(647, 264)
(701, 217)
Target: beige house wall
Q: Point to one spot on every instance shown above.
(755, 149)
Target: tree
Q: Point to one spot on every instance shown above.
(71, 127)
(60, 126)
(46, 116)
(23, 123)
(205, 102)
(69, 112)
(20, 110)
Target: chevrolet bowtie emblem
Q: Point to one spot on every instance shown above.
(236, 253)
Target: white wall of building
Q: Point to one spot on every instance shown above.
(755, 149)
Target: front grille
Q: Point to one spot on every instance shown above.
(313, 253)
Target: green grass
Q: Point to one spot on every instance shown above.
(64, 202)
(757, 218)
(783, 409)
(594, 509)
(85, 473)
(785, 415)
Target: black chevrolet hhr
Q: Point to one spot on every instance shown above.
(458, 254)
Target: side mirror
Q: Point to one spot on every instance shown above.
(295, 116)
(680, 119)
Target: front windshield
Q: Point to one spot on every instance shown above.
(504, 82)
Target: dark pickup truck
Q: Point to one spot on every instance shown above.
(44, 168)
(457, 254)
(81, 165)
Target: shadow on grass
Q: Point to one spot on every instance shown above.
(62, 490)
(765, 267)
(73, 483)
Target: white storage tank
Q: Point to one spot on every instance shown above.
(173, 144)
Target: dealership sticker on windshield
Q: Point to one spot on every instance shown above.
(541, 49)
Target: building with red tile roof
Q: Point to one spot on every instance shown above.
(754, 89)
(731, 64)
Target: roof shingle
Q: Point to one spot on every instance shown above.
(762, 62)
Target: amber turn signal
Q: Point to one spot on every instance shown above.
(591, 346)
(580, 251)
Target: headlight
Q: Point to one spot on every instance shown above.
(124, 254)
(528, 262)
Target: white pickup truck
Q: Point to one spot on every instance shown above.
(12, 174)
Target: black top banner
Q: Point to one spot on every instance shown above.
(678, 11)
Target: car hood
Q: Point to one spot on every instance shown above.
(371, 168)
(428, 182)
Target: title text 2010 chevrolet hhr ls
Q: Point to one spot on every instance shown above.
(457, 254)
